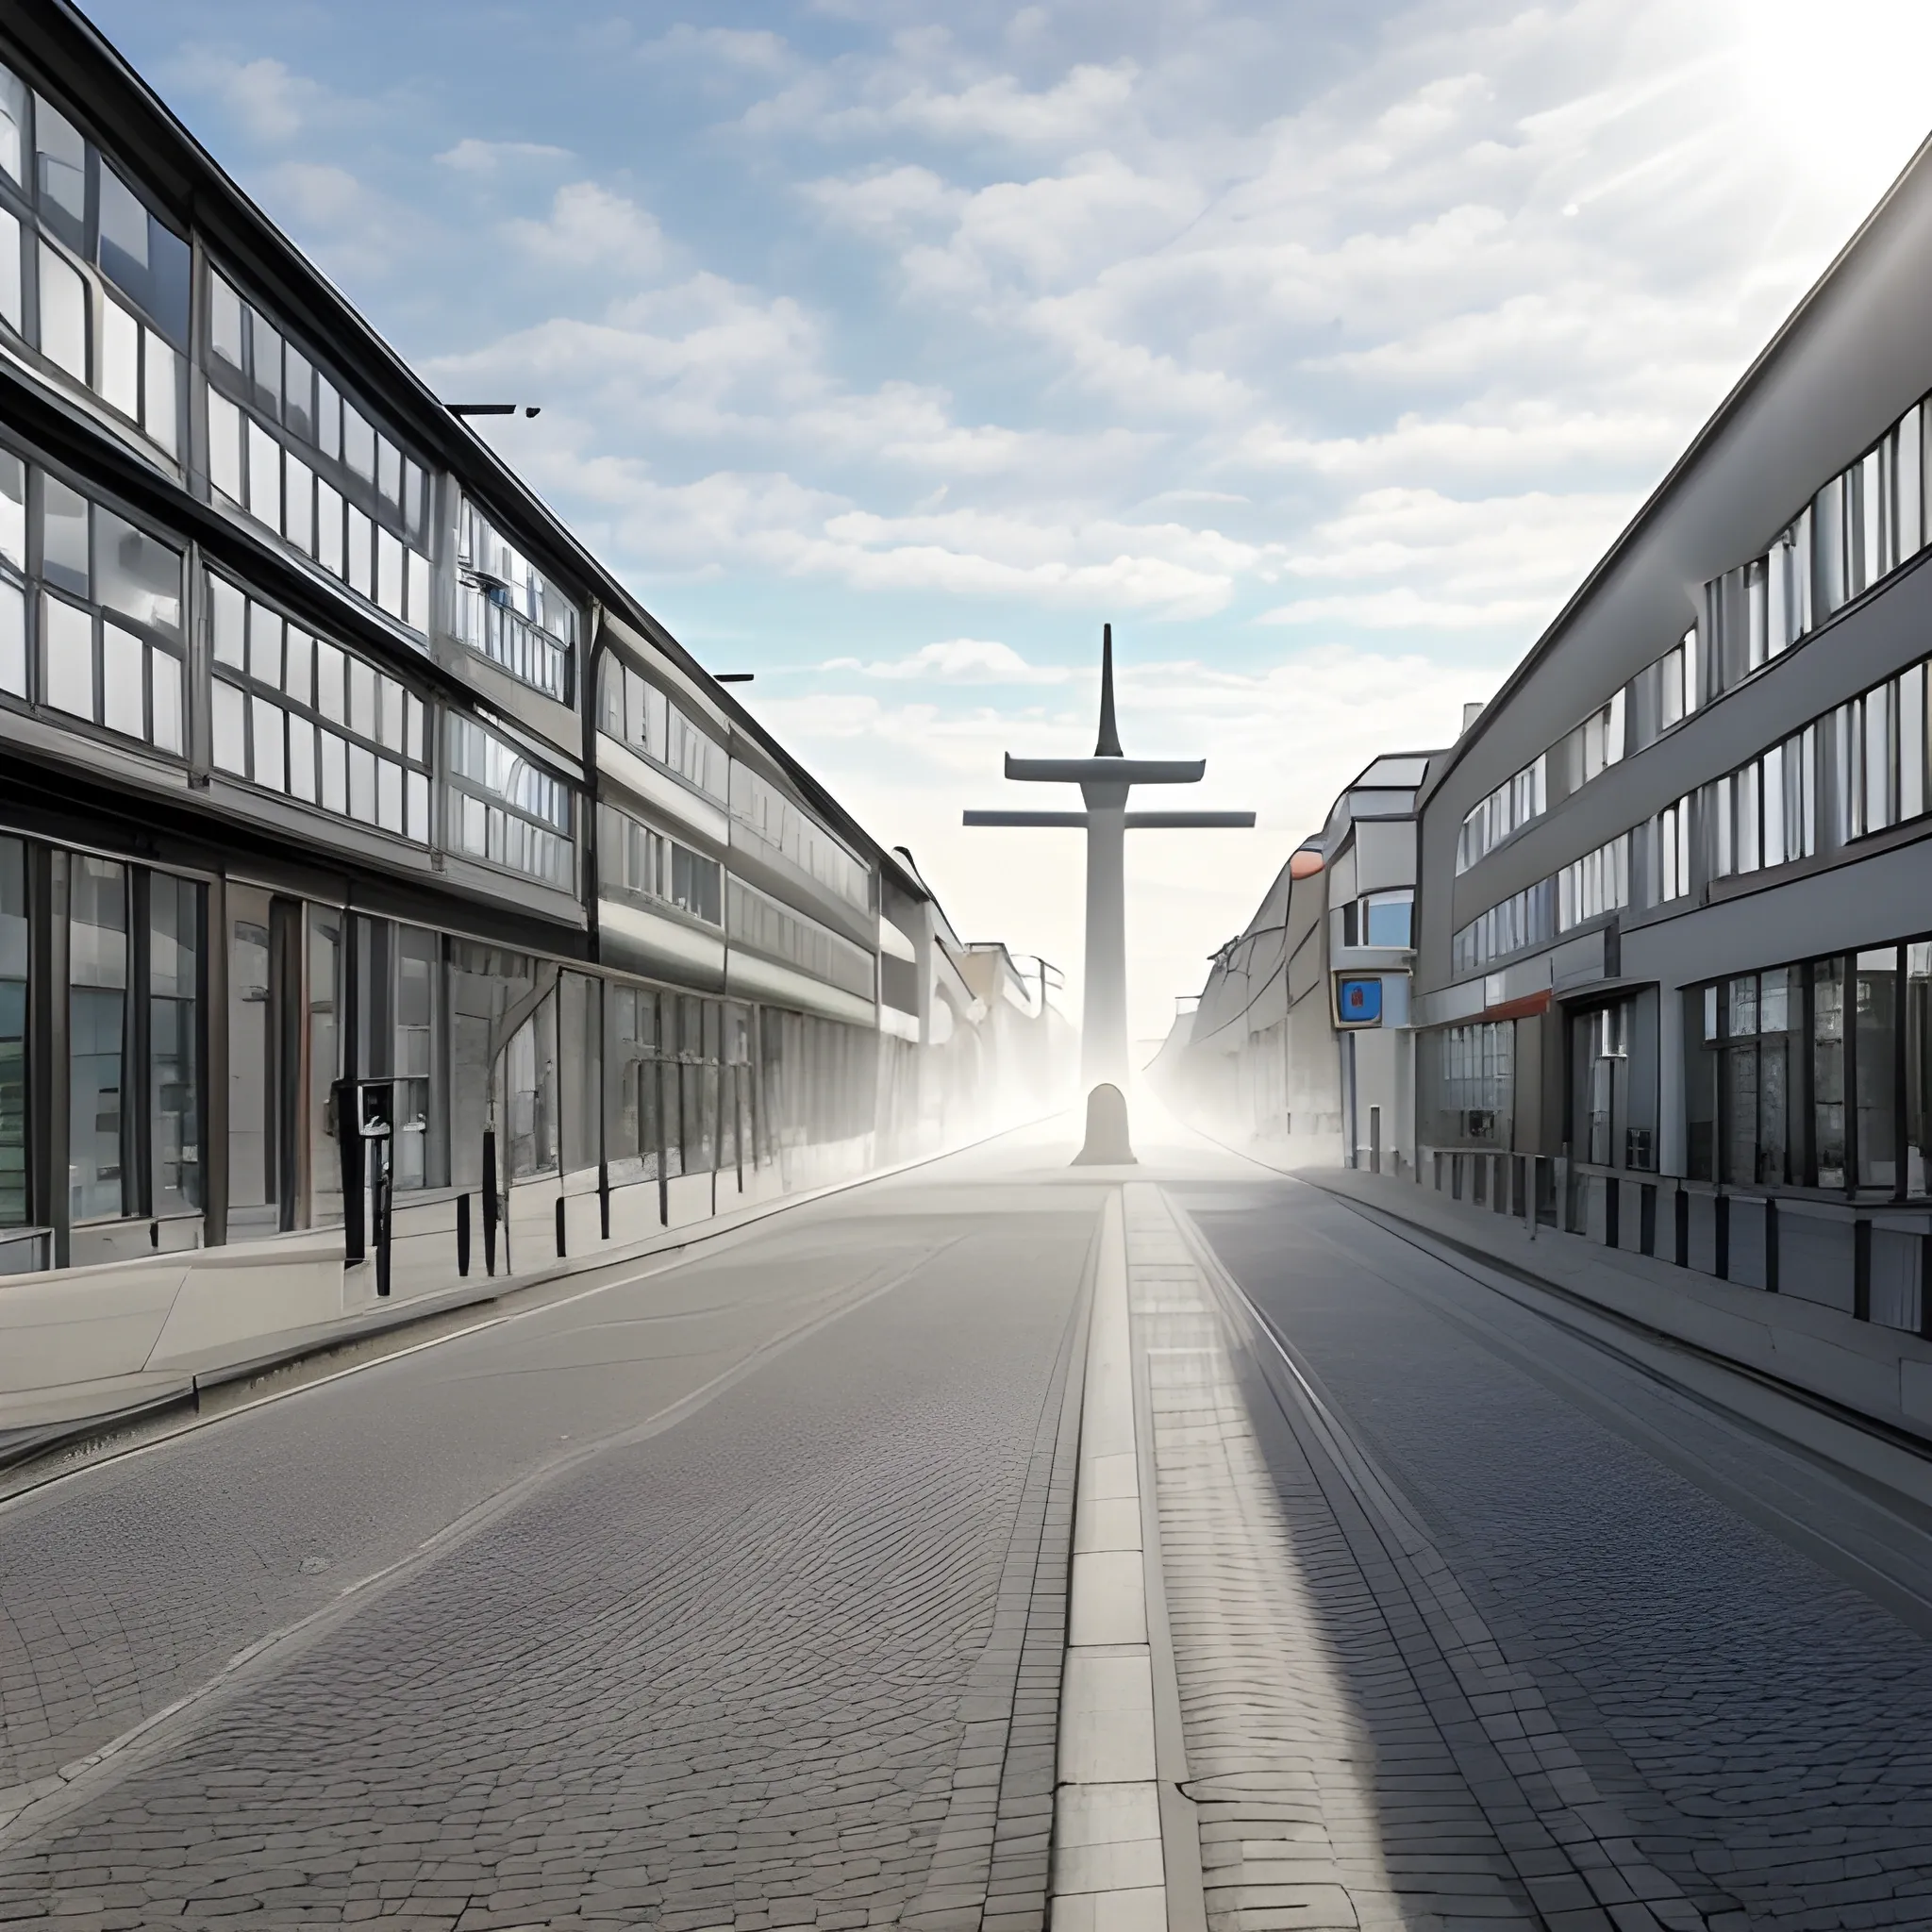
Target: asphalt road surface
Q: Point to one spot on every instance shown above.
(1761, 1730)
(733, 1595)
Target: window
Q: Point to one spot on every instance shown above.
(759, 921)
(644, 718)
(1815, 1074)
(1670, 863)
(399, 1028)
(579, 1012)
(109, 645)
(1387, 918)
(1525, 919)
(1745, 1076)
(1510, 807)
(111, 278)
(287, 445)
(1764, 813)
(1878, 748)
(1468, 1078)
(16, 1200)
(325, 937)
(173, 1085)
(787, 832)
(642, 864)
(97, 980)
(507, 808)
(509, 611)
(531, 1079)
(1593, 747)
(298, 714)
(634, 1138)
(483, 985)
(1597, 883)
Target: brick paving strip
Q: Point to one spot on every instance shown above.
(1361, 1751)
(793, 1663)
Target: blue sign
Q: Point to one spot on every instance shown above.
(1358, 1002)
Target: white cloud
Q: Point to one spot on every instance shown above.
(965, 323)
(756, 49)
(589, 228)
(272, 104)
(884, 201)
(471, 155)
(958, 661)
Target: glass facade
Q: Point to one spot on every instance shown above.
(91, 279)
(635, 712)
(296, 449)
(507, 808)
(16, 1199)
(650, 868)
(1466, 1084)
(296, 713)
(509, 611)
(760, 922)
(90, 611)
(1814, 1075)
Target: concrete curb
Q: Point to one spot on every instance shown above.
(1127, 1851)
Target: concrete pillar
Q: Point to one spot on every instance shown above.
(1103, 1008)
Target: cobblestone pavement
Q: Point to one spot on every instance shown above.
(792, 1661)
(1761, 1731)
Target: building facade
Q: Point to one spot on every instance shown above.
(1672, 952)
(1675, 934)
(1301, 1036)
(387, 903)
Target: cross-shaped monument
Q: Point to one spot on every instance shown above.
(1104, 780)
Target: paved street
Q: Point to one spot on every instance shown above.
(1735, 1723)
(734, 1593)
(793, 1660)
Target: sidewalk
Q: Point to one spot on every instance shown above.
(1877, 1375)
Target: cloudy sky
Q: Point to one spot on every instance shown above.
(887, 350)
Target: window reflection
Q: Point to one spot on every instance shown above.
(96, 1018)
(61, 172)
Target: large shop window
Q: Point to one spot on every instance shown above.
(682, 1094)
(399, 1035)
(509, 611)
(1467, 1085)
(90, 276)
(507, 808)
(640, 715)
(16, 1198)
(297, 714)
(818, 1079)
(133, 944)
(580, 1038)
(1816, 1074)
(488, 989)
(304, 458)
(93, 631)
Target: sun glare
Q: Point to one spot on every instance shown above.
(1842, 90)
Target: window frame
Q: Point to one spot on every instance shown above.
(244, 418)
